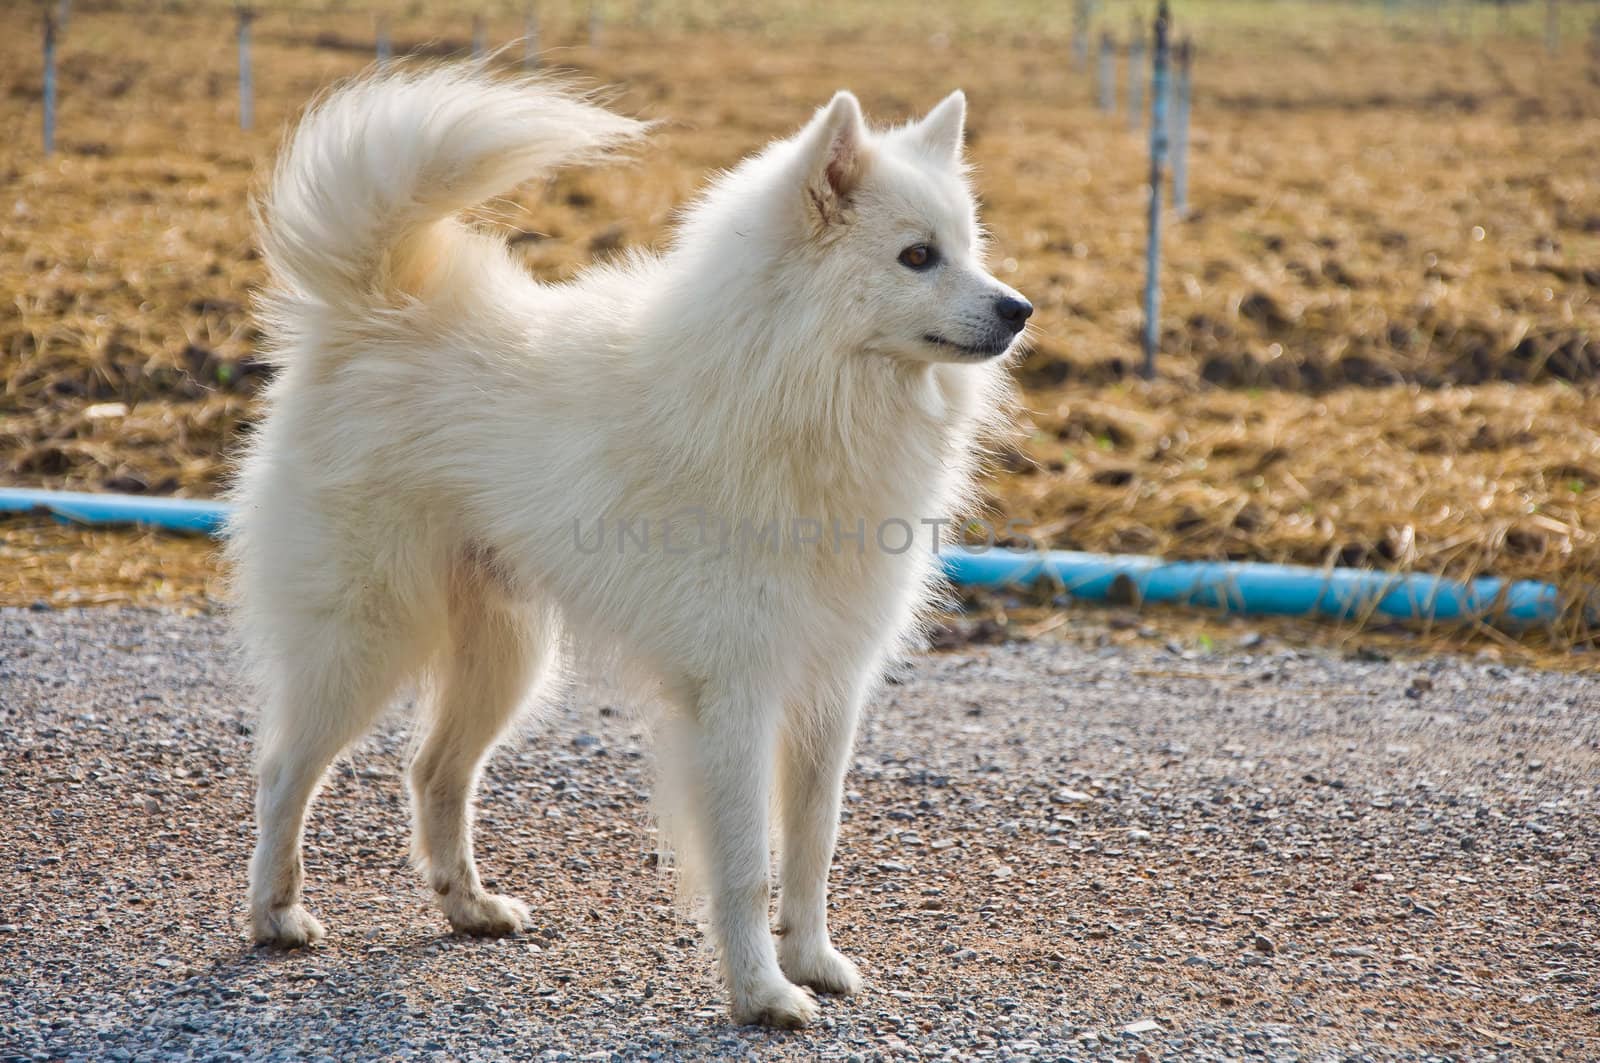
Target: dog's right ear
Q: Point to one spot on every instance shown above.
(943, 128)
(833, 154)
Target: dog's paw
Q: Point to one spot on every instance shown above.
(288, 927)
(819, 966)
(779, 1004)
(488, 915)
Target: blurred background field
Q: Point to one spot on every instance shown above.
(1380, 344)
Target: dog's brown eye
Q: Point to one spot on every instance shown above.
(919, 257)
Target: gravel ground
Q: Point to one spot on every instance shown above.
(1065, 849)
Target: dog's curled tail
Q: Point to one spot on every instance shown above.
(361, 207)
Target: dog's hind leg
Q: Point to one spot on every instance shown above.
(497, 656)
(325, 694)
(816, 747)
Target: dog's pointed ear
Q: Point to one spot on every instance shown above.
(941, 130)
(834, 151)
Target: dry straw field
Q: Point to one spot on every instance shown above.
(1381, 340)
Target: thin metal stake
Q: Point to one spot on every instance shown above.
(530, 37)
(1135, 78)
(246, 90)
(49, 83)
(477, 36)
(1158, 158)
(1107, 74)
(385, 49)
(1180, 132)
(1552, 26)
(1080, 34)
(596, 22)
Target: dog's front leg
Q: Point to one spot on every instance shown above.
(816, 752)
(737, 732)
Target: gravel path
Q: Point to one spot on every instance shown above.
(1052, 850)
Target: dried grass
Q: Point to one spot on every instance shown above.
(1459, 481)
(1381, 327)
(63, 565)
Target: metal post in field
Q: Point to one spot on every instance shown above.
(246, 88)
(1552, 26)
(477, 36)
(1180, 131)
(1080, 33)
(530, 37)
(596, 23)
(1158, 159)
(385, 49)
(49, 83)
(1135, 78)
(1106, 74)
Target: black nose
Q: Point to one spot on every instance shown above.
(1014, 312)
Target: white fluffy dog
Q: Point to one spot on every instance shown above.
(723, 463)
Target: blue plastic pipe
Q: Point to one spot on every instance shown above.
(1243, 587)
(1231, 586)
(178, 514)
